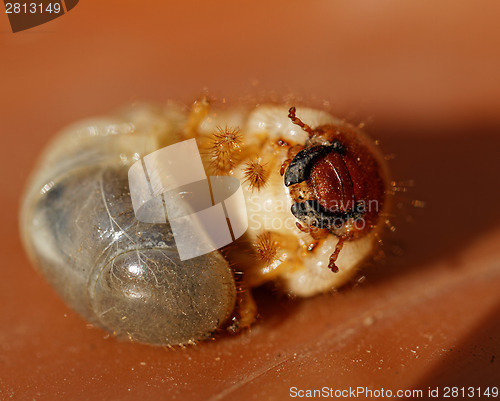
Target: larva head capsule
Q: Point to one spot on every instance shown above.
(344, 179)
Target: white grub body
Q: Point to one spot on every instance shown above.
(298, 271)
(79, 227)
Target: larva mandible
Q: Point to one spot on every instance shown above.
(315, 189)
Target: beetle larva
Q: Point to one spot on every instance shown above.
(126, 276)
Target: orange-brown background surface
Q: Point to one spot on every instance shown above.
(423, 75)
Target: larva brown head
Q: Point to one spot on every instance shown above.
(351, 181)
(340, 171)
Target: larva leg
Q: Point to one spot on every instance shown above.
(315, 232)
(333, 257)
(292, 152)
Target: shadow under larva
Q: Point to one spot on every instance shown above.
(124, 275)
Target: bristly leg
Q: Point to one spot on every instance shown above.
(225, 146)
(256, 175)
(266, 247)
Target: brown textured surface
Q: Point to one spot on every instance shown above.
(428, 75)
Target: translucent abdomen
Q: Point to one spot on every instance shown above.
(123, 275)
